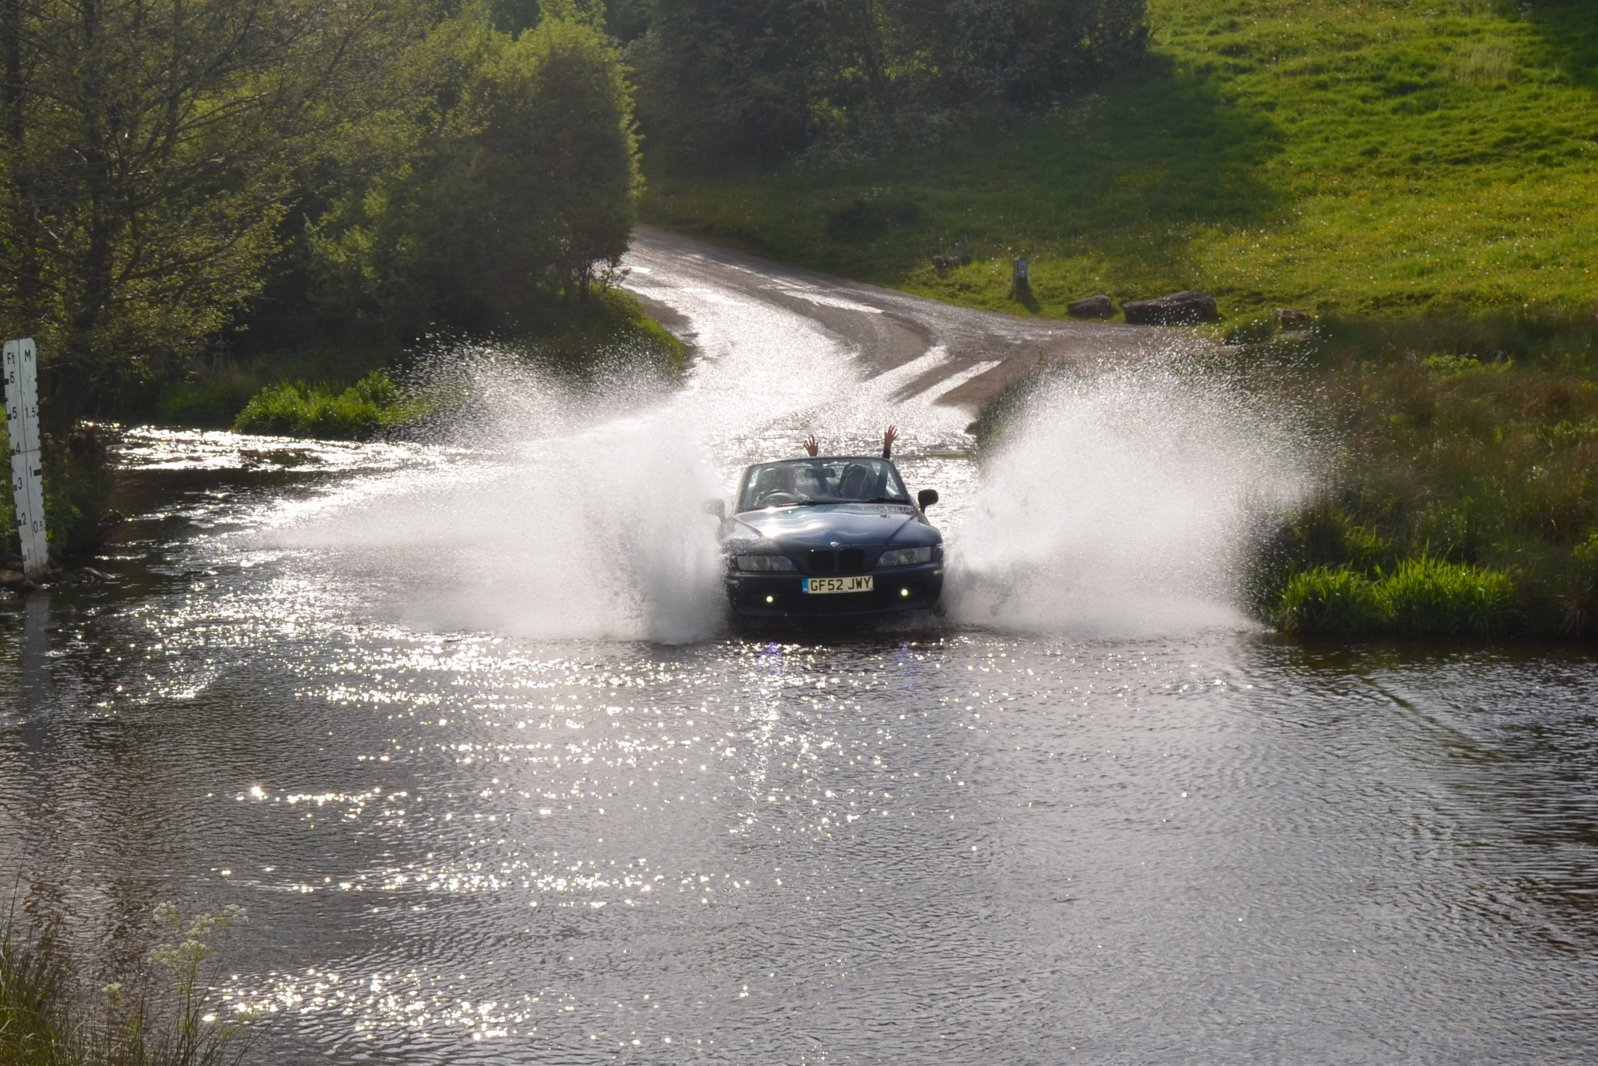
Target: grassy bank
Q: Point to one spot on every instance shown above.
(1347, 157)
(1466, 496)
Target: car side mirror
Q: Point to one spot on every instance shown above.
(926, 498)
(716, 509)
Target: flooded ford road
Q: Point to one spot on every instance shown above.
(462, 726)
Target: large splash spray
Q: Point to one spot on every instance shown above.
(566, 513)
(1124, 502)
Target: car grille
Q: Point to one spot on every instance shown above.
(844, 561)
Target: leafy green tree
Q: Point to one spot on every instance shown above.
(728, 81)
(1068, 45)
(517, 195)
(725, 82)
(555, 160)
(150, 150)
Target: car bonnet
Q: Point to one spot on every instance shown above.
(846, 524)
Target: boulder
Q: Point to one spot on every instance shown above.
(1177, 309)
(1092, 307)
(945, 263)
(1287, 318)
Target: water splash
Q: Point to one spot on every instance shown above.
(571, 513)
(1123, 503)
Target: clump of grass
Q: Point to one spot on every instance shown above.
(1426, 597)
(1421, 597)
(370, 406)
(1486, 63)
(159, 1016)
(32, 988)
(1329, 601)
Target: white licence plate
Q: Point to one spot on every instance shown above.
(817, 585)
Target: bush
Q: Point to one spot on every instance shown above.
(359, 412)
(1332, 602)
(1420, 598)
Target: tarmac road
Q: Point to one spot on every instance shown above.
(982, 351)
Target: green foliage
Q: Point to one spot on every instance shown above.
(150, 151)
(77, 479)
(1450, 457)
(370, 406)
(156, 1017)
(581, 341)
(1430, 597)
(503, 206)
(607, 332)
(1332, 602)
(32, 988)
(725, 82)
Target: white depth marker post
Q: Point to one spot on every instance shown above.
(27, 477)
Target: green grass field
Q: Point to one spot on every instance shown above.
(1385, 157)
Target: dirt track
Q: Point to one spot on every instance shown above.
(888, 329)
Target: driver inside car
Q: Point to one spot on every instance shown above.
(780, 483)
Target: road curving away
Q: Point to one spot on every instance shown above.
(951, 356)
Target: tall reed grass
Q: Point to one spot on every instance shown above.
(1421, 597)
(158, 1016)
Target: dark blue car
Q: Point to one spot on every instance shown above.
(829, 537)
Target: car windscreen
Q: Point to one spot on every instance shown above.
(793, 482)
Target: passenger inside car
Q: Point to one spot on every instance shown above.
(855, 483)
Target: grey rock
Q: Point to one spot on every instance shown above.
(1092, 307)
(1184, 308)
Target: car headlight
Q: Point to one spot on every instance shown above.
(764, 563)
(906, 556)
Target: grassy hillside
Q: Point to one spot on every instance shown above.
(1349, 157)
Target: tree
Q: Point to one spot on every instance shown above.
(151, 148)
(512, 201)
(730, 81)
